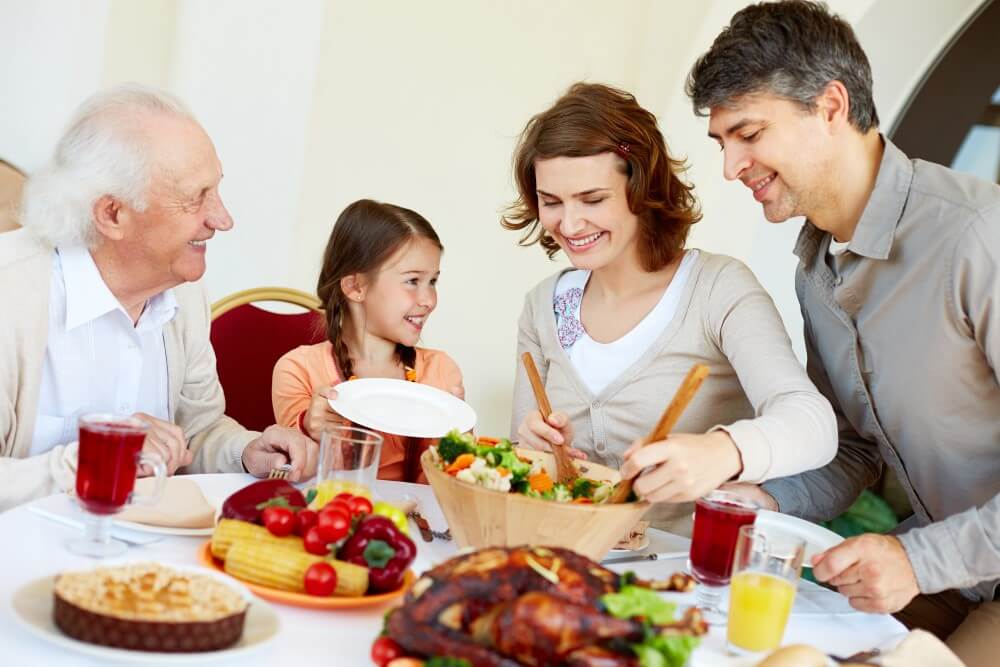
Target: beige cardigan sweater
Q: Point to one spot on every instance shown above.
(757, 390)
(195, 398)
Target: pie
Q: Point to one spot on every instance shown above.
(149, 607)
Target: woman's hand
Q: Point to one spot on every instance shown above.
(682, 468)
(537, 433)
(320, 415)
(167, 441)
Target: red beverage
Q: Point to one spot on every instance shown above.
(717, 521)
(107, 462)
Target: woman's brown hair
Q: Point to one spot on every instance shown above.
(366, 234)
(591, 119)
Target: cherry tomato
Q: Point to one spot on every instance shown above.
(344, 495)
(385, 650)
(279, 521)
(321, 579)
(314, 544)
(338, 503)
(307, 519)
(333, 526)
(360, 506)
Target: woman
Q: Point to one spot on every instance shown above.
(615, 336)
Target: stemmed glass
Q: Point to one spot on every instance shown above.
(718, 517)
(110, 452)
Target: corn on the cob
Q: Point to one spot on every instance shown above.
(231, 530)
(285, 569)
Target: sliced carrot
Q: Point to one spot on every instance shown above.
(487, 441)
(540, 482)
(583, 501)
(503, 471)
(461, 463)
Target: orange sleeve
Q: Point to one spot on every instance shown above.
(291, 387)
(440, 371)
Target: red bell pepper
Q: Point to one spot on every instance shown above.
(381, 547)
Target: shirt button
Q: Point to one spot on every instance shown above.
(595, 404)
(838, 280)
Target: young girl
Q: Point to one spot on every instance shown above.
(378, 287)
(615, 336)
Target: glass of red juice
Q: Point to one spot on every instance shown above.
(108, 460)
(718, 517)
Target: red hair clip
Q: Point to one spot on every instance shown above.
(623, 149)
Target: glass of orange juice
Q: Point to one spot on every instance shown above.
(766, 569)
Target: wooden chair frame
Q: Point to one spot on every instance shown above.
(282, 294)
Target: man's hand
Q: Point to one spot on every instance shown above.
(277, 446)
(753, 493)
(542, 434)
(872, 570)
(682, 468)
(320, 415)
(167, 441)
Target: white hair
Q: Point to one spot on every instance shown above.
(102, 152)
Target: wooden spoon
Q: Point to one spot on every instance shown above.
(668, 419)
(565, 470)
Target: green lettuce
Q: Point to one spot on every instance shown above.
(656, 650)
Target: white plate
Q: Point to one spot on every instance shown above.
(32, 606)
(164, 530)
(817, 537)
(402, 408)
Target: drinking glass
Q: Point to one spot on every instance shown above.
(718, 517)
(766, 572)
(110, 451)
(349, 454)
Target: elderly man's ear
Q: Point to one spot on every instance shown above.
(110, 218)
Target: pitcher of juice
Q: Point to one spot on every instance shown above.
(109, 454)
(766, 570)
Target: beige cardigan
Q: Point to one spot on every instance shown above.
(195, 398)
(757, 391)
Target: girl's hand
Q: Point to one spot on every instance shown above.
(537, 433)
(320, 414)
(458, 391)
(682, 468)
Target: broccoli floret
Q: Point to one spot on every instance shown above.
(583, 487)
(454, 444)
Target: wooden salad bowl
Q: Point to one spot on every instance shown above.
(479, 517)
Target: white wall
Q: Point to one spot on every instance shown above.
(314, 104)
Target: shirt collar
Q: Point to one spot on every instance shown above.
(88, 296)
(876, 229)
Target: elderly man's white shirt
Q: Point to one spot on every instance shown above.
(96, 360)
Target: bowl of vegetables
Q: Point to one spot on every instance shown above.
(495, 494)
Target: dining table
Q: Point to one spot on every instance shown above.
(35, 547)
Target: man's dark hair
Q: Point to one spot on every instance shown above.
(792, 49)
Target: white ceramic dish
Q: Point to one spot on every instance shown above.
(32, 605)
(818, 538)
(402, 408)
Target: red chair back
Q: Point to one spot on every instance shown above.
(248, 341)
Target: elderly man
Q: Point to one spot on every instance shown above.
(899, 286)
(101, 312)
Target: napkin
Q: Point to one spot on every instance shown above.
(182, 505)
(920, 648)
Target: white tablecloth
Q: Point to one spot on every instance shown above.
(35, 547)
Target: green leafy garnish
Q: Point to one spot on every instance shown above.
(632, 601)
(656, 650)
(443, 661)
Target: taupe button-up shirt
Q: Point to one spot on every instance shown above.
(903, 337)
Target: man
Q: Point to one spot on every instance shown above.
(101, 309)
(899, 286)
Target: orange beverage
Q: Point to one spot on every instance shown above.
(759, 605)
